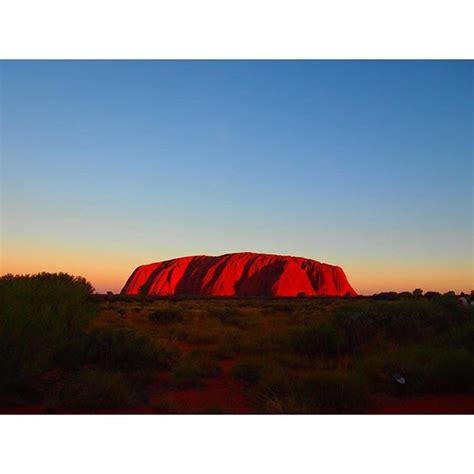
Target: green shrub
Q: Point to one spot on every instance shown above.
(272, 387)
(461, 336)
(467, 337)
(275, 389)
(248, 371)
(272, 308)
(427, 369)
(222, 352)
(38, 315)
(195, 334)
(452, 371)
(323, 392)
(317, 340)
(332, 392)
(124, 349)
(166, 316)
(399, 321)
(226, 315)
(97, 388)
(192, 370)
(213, 409)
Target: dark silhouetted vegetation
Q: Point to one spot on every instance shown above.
(96, 389)
(166, 316)
(115, 348)
(192, 370)
(67, 349)
(39, 315)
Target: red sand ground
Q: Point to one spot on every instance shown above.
(223, 394)
(220, 396)
(430, 404)
(239, 274)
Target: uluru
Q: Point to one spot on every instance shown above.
(239, 274)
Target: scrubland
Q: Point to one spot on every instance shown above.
(65, 350)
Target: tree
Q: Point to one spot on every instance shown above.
(418, 292)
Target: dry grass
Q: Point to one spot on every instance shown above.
(303, 355)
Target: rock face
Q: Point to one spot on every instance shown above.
(239, 274)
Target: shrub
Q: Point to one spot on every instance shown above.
(461, 336)
(272, 389)
(214, 409)
(399, 321)
(222, 352)
(317, 340)
(387, 296)
(124, 349)
(248, 371)
(191, 371)
(452, 371)
(165, 316)
(432, 294)
(97, 388)
(226, 315)
(332, 392)
(467, 337)
(271, 308)
(323, 392)
(427, 369)
(195, 334)
(38, 315)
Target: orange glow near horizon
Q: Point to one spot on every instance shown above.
(109, 270)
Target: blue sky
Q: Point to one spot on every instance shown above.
(107, 165)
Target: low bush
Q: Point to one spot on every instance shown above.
(273, 387)
(118, 349)
(321, 340)
(452, 372)
(331, 392)
(38, 315)
(222, 352)
(192, 370)
(426, 369)
(271, 308)
(213, 409)
(227, 315)
(97, 388)
(399, 321)
(196, 334)
(461, 336)
(166, 316)
(320, 392)
(249, 371)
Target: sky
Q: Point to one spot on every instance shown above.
(107, 165)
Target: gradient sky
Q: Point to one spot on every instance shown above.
(107, 165)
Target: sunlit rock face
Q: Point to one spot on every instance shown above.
(239, 274)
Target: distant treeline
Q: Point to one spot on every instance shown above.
(388, 295)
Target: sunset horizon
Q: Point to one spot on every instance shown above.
(366, 165)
